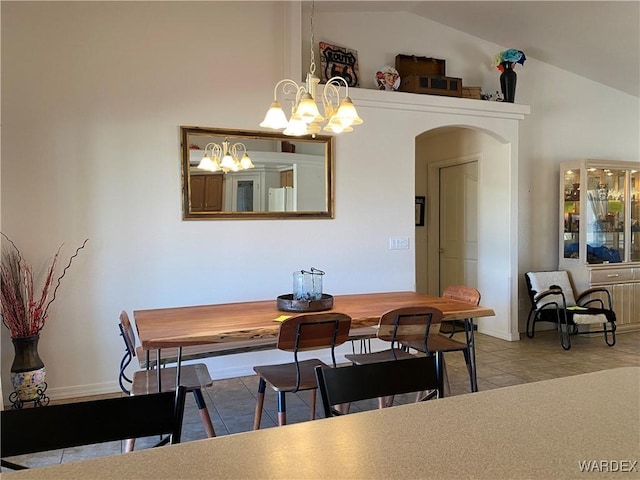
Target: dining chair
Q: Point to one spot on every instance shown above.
(466, 294)
(438, 344)
(53, 427)
(402, 327)
(461, 293)
(194, 377)
(347, 384)
(298, 334)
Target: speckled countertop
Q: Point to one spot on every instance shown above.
(539, 430)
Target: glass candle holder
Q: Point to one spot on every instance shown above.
(307, 285)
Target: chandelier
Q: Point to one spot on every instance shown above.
(225, 157)
(338, 115)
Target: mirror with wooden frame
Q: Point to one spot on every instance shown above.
(289, 177)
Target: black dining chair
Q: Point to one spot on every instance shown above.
(403, 328)
(352, 383)
(32, 430)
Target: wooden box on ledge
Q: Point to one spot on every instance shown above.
(410, 64)
(449, 86)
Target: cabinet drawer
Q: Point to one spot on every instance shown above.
(611, 275)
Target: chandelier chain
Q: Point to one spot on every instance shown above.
(312, 67)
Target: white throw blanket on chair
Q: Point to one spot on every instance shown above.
(541, 281)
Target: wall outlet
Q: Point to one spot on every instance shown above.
(399, 243)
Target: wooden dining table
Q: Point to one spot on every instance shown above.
(254, 321)
(242, 321)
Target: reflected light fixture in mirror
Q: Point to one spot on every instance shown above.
(225, 157)
(306, 119)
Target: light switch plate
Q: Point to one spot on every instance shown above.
(399, 243)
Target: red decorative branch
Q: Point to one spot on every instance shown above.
(22, 312)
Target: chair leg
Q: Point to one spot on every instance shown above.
(613, 334)
(565, 337)
(282, 409)
(129, 444)
(533, 325)
(470, 369)
(259, 404)
(312, 414)
(204, 413)
(471, 344)
(363, 345)
(426, 395)
(441, 373)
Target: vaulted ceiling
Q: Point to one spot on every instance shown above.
(599, 40)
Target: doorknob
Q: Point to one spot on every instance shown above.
(441, 250)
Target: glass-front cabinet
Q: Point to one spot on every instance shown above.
(600, 231)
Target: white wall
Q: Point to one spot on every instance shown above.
(91, 111)
(571, 117)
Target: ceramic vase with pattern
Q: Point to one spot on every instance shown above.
(27, 371)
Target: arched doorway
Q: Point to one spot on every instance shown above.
(457, 243)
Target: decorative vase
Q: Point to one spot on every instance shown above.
(27, 373)
(508, 79)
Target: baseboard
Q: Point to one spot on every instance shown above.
(510, 337)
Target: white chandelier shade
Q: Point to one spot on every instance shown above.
(225, 158)
(339, 116)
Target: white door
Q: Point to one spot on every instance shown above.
(458, 243)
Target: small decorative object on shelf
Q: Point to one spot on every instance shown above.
(307, 293)
(387, 78)
(24, 313)
(339, 61)
(505, 61)
(426, 75)
(493, 97)
(288, 147)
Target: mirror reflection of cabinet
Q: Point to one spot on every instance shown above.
(206, 193)
(286, 178)
(600, 231)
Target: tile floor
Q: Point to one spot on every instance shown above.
(231, 402)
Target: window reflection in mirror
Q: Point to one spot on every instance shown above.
(291, 177)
